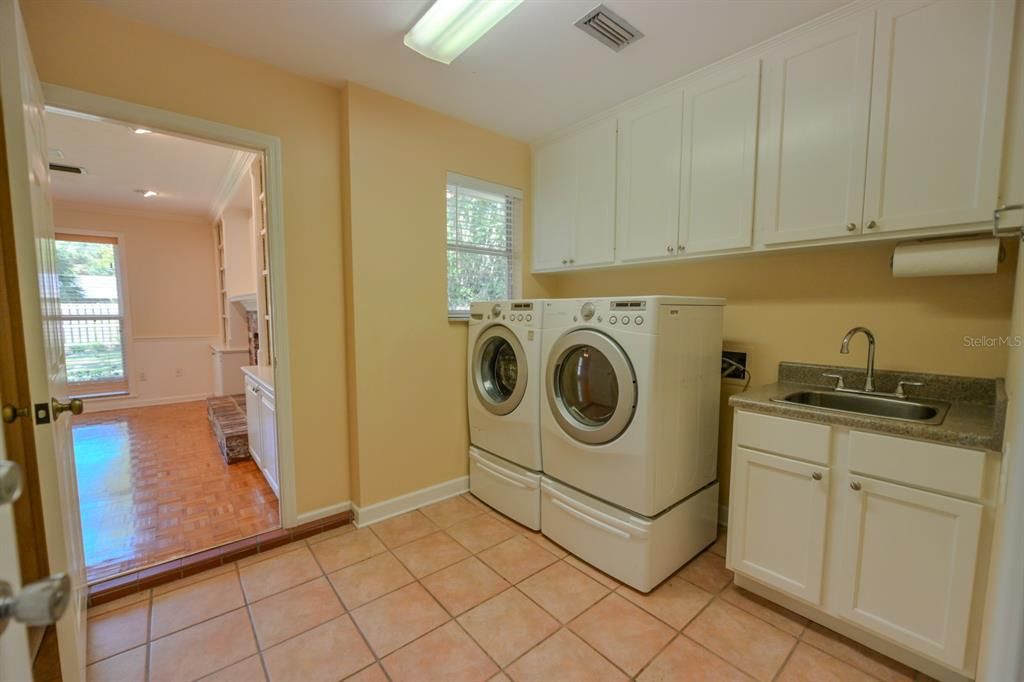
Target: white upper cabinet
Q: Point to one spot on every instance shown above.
(648, 179)
(938, 108)
(814, 132)
(574, 199)
(594, 227)
(719, 149)
(554, 196)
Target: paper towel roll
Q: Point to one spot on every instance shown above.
(951, 257)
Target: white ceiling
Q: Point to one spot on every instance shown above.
(192, 177)
(530, 75)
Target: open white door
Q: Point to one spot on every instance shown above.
(28, 176)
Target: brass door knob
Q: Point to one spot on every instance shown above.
(11, 413)
(74, 406)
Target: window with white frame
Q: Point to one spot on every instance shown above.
(483, 227)
(92, 314)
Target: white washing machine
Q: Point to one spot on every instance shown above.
(504, 377)
(629, 431)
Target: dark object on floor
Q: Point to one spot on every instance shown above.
(227, 418)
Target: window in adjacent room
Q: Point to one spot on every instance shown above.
(483, 242)
(92, 314)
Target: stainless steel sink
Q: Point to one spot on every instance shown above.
(920, 411)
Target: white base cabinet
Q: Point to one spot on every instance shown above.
(262, 429)
(885, 534)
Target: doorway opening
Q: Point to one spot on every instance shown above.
(164, 267)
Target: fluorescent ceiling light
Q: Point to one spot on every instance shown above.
(451, 26)
(141, 131)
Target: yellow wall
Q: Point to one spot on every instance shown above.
(409, 389)
(81, 46)
(168, 266)
(797, 306)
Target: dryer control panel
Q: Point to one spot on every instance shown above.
(522, 313)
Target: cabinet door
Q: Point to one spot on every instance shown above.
(648, 179)
(716, 197)
(814, 133)
(777, 518)
(554, 204)
(911, 557)
(268, 428)
(593, 241)
(938, 107)
(252, 418)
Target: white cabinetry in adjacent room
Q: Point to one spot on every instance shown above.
(647, 213)
(262, 424)
(268, 440)
(814, 132)
(574, 201)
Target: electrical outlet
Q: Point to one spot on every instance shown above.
(179, 372)
(731, 371)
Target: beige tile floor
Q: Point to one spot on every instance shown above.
(455, 591)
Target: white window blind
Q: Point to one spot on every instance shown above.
(483, 232)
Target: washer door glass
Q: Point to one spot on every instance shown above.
(500, 370)
(591, 386)
(587, 385)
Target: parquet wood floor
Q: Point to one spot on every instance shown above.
(153, 486)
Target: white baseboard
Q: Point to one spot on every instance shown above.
(364, 516)
(126, 402)
(323, 512)
(723, 515)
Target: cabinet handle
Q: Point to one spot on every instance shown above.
(871, 225)
(670, 248)
(680, 247)
(816, 475)
(854, 485)
(564, 261)
(571, 261)
(851, 227)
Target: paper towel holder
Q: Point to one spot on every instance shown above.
(1008, 231)
(962, 238)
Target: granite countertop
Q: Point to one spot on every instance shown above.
(976, 416)
(262, 375)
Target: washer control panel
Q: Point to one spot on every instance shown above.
(523, 313)
(614, 313)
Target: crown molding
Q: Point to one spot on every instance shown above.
(236, 172)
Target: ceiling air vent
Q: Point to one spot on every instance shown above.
(62, 168)
(609, 28)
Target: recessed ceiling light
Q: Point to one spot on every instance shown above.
(147, 193)
(141, 131)
(451, 26)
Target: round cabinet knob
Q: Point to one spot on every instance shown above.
(871, 225)
(496, 310)
(670, 248)
(572, 260)
(854, 485)
(587, 310)
(851, 227)
(816, 475)
(680, 248)
(564, 261)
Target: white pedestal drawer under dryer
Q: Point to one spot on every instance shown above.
(629, 431)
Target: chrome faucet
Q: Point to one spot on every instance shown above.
(869, 381)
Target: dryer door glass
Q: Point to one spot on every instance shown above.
(586, 382)
(591, 386)
(499, 370)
